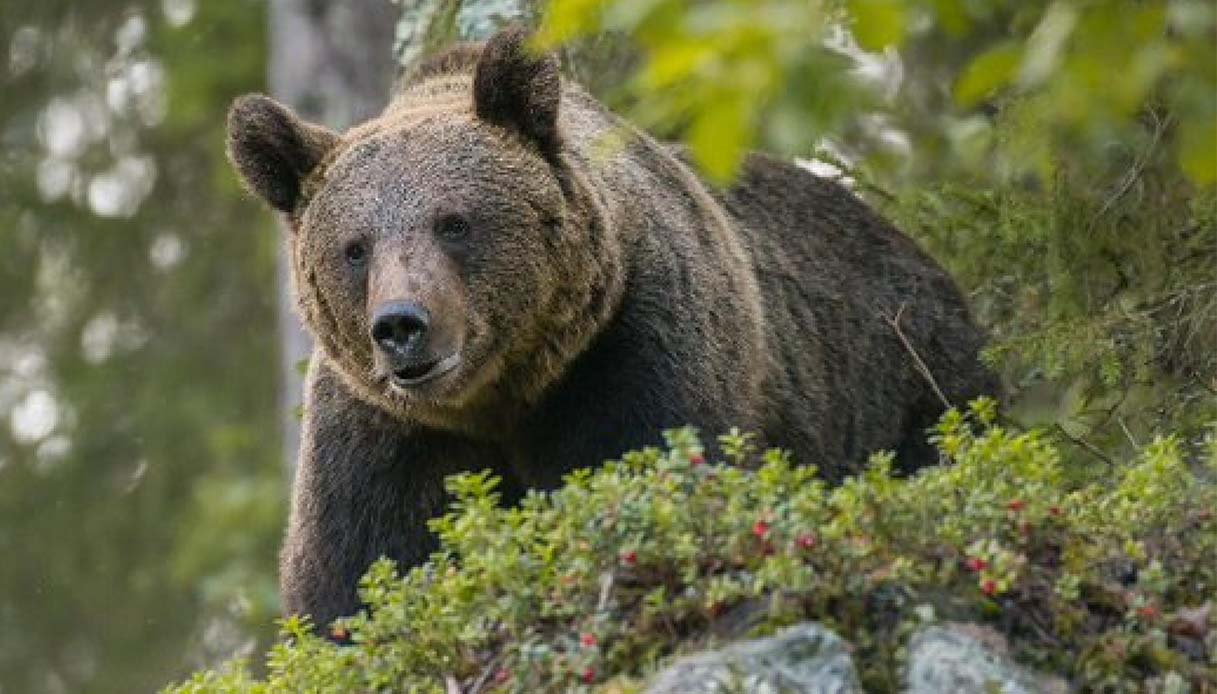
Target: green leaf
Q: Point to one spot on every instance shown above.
(1046, 44)
(719, 137)
(1198, 151)
(878, 23)
(675, 62)
(953, 16)
(568, 19)
(989, 72)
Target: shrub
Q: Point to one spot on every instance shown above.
(1106, 579)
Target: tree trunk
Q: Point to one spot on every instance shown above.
(428, 25)
(333, 63)
(599, 63)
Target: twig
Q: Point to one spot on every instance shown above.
(1134, 173)
(487, 672)
(1083, 443)
(451, 685)
(1212, 389)
(1032, 619)
(1128, 434)
(921, 366)
(606, 590)
(869, 187)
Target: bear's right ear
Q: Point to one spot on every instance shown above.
(273, 149)
(518, 89)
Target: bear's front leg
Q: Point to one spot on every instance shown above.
(366, 485)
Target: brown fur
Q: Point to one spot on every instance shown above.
(603, 294)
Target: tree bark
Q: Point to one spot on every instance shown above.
(599, 63)
(428, 25)
(333, 63)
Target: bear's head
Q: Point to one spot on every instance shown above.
(445, 255)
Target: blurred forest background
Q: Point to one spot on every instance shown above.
(140, 480)
(1059, 156)
(142, 476)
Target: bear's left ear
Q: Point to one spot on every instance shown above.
(517, 89)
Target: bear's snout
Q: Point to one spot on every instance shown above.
(401, 332)
(400, 328)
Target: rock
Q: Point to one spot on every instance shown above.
(804, 659)
(954, 660)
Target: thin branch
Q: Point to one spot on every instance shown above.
(1134, 173)
(917, 361)
(1128, 434)
(1200, 381)
(1032, 619)
(606, 590)
(487, 672)
(1084, 444)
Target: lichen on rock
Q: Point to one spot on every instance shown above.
(803, 659)
(951, 660)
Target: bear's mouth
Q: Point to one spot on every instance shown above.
(411, 375)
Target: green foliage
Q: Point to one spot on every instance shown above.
(734, 73)
(1056, 156)
(590, 587)
(1100, 298)
(716, 71)
(138, 523)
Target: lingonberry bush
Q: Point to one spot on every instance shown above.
(1104, 577)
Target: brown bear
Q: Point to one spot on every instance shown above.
(492, 287)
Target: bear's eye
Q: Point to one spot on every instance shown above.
(356, 253)
(452, 228)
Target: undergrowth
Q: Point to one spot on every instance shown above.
(1107, 580)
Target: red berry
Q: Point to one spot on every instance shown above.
(761, 529)
(806, 541)
(1149, 613)
(629, 558)
(589, 641)
(1017, 505)
(589, 676)
(502, 675)
(697, 459)
(1056, 511)
(768, 549)
(976, 564)
(989, 587)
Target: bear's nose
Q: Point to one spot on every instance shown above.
(400, 327)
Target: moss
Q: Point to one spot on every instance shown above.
(664, 550)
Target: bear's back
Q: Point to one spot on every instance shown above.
(847, 297)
